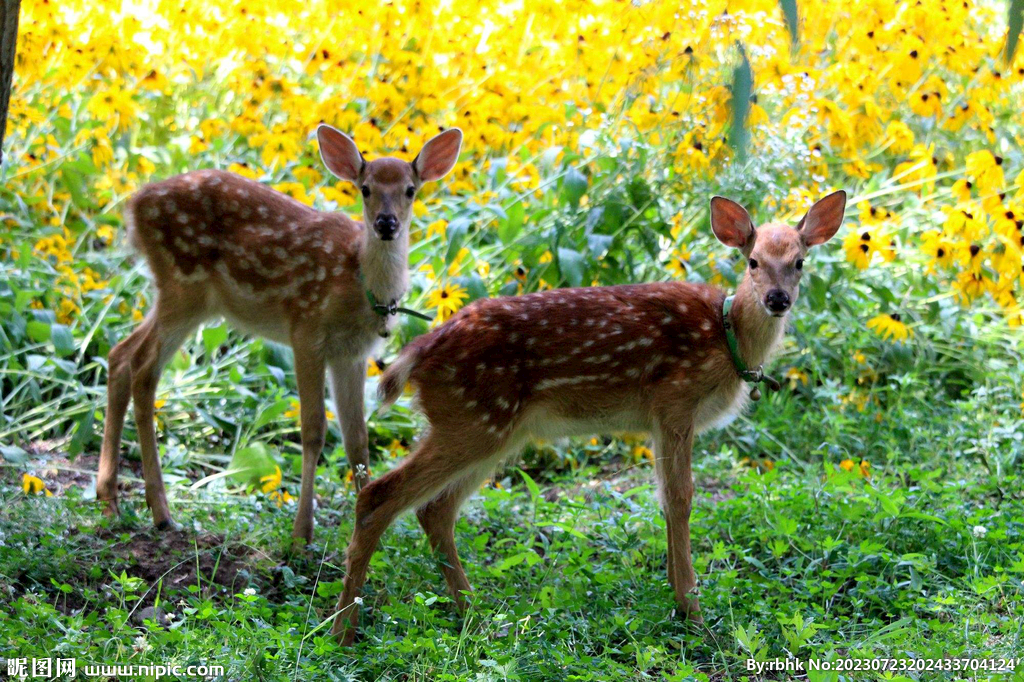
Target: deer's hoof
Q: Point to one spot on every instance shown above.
(165, 523)
(690, 608)
(344, 632)
(110, 508)
(301, 538)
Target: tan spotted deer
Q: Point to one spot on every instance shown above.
(669, 358)
(220, 245)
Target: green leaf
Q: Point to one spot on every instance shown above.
(83, 433)
(789, 13)
(455, 234)
(213, 338)
(63, 341)
(1015, 23)
(531, 486)
(253, 462)
(571, 265)
(180, 361)
(38, 331)
(509, 228)
(742, 87)
(12, 454)
(574, 186)
(270, 413)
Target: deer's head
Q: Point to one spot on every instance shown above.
(775, 251)
(388, 185)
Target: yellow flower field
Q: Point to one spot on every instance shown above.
(911, 105)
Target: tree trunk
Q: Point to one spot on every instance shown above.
(8, 40)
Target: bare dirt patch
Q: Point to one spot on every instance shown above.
(176, 559)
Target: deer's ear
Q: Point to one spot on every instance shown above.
(339, 153)
(731, 223)
(823, 219)
(438, 156)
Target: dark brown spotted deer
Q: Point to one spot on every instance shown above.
(220, 245)
(669, 358)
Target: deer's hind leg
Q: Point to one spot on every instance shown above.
(438, 518)
(173, 320)
(119, 393)
(423, 474)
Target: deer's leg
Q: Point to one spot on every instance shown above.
(309, 374)
(419, 477)
(438, 518)
(347, 381)
(119, 393)
(169, 329)
(674, 444)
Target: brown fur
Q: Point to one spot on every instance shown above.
(647, 357)
(221, 245)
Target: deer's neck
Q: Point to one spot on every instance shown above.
(757, 332)
(385, 265)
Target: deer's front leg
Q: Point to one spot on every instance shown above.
(674, 445)
(309, 374)
(347, 381)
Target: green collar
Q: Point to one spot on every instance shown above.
(388, 309)
(752, 376)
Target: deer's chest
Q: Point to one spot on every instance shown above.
(356, 333)
(721, 405)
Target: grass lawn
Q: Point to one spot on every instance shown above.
(917, 553)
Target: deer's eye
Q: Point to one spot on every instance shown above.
(365, 190)
(799, 263)
(409, 191)
(752, 263)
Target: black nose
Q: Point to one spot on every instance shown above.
(777, 300)
(386, 225)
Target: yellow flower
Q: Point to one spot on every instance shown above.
(900, 137)
(374, 367)
(271, 481)
(795, 377)
(396, 448)
(859, 247)
(279, 147)
(864, 468)
(295, 190)
(938, 248)
(280, 497)
(245, 170)
(105, 233)
(102, 152)
(679, 261)
(890, 326)
(641, 453)
(67, 311)
(437, 228)
(985, 168)
(447, 300)
(295, 412)
(33, 485)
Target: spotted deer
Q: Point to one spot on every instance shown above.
(669, 358)
(220, 245)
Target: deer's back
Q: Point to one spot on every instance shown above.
(575, 360)
(255, 253)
